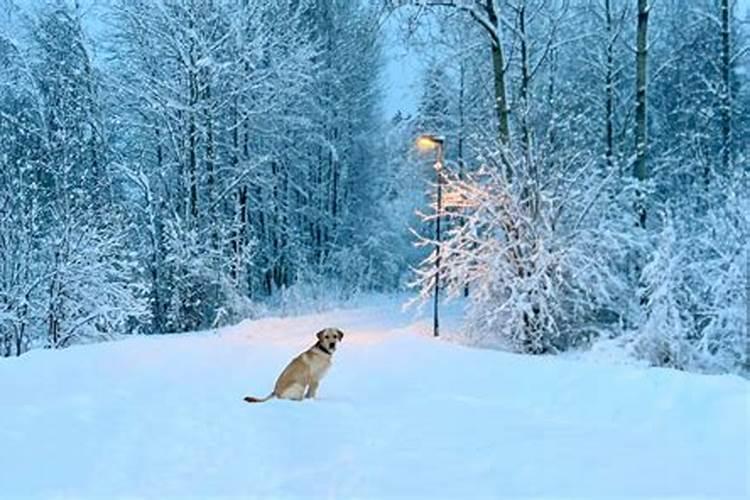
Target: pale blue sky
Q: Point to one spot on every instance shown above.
(401, 72)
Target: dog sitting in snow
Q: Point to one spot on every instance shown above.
(301, 377)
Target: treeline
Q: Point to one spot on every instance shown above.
(597, 187)
(206, 155)
(210, 154)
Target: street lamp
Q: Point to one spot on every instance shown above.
(429, 143)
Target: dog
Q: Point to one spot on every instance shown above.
(301, 378)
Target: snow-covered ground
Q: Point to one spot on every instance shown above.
(400, 415)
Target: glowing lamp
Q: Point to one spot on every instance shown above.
(429, 142)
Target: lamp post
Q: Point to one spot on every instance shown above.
(428, 143)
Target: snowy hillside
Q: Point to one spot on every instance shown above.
(399, 414)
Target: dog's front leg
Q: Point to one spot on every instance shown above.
(312, 389)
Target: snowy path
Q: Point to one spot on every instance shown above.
(400, 414)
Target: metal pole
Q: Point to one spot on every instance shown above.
(439, 170)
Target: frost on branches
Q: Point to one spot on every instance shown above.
(540, 259)
(696, 284)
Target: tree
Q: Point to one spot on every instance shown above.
(537, 274)
(487, 15)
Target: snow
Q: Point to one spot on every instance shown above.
(400, 414)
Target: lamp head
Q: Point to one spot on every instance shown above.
(428, 142)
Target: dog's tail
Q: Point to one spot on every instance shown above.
(251, 399)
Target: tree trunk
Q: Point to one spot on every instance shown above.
(530, 190)
(609, 90)
(525, 85)
(498, 70)
(157, 209)
(52, 320)
(239, 226)
(641, 82)
(726, 91)
(21, 335)
(213, 220)
(461, 125)
(192, 131)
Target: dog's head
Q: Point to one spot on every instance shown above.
(329, 338)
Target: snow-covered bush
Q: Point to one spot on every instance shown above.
(725, 339)
(667, 321)
(91, 294)
(695, 315)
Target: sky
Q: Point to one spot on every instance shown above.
(401, 72)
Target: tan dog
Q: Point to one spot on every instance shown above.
(301, 377)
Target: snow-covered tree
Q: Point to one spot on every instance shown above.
(537, 273)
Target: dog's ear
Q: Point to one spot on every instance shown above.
(340, 334)
(320, 334)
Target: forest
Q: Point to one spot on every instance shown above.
(169, 166)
